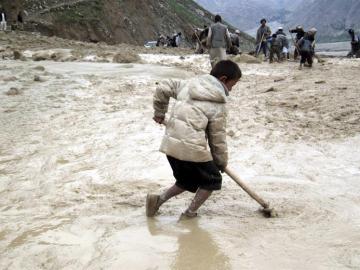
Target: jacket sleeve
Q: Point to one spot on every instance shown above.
(216, 132)
(163, 93)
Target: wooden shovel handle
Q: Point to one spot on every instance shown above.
(252, 194)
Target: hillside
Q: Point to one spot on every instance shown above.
(331, 18)
(115, 21)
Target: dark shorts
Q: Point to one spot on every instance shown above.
(193, 175)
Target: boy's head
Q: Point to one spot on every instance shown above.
(227, 72)
(218, 18)
(263, 22)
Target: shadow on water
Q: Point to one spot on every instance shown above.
(196, 247)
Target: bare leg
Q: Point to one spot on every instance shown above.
(169, 193)
(154, 201)
(200, 197)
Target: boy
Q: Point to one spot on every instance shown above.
(197, 120)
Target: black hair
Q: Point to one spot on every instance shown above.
(218, 18)
(274, 35)
(226, 68)
(263, 20)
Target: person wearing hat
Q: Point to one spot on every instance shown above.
(263, 33)
(300, 33)
(284, 43)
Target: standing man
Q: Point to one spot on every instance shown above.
(306, 46)
(3, 24)
(300, 33)
(217, 41)
(275, 48)
(262, 34)
(284, 43)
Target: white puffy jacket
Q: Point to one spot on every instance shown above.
(197, 120)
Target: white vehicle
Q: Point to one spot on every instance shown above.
(150, 44)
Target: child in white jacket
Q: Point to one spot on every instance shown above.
(195, 136)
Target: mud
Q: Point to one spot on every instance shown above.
(79, 152)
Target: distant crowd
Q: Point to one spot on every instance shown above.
(219, 41)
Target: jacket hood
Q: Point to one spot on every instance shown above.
(207, 88)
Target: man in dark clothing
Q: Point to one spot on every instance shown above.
(262, 34)
(284, 43)
(355, 44)
(306, 45)
(217, 41)
(299, 35)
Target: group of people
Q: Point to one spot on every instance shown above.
(220, 42)
(230, 41)
(278, 44)
(169, 41)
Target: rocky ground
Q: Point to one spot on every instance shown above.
(79, 152)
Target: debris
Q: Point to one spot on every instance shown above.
(13, 91)
(17, 55)
(37, 78)
(41, 68)
(271, 89)
(279, 80)
(9, 79)
(245, 58)
(126, 57)
(231, 133)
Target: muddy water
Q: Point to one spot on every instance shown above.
(79, 152)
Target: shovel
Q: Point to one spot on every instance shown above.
(267, 211)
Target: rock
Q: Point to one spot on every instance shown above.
(279, 80)
(271, 89)
(9, 79)
(231, 133)
(40, 68)
(126, 57)
(13, 91)
(182, 57)
(246, 58)
(320, 82)
(40, 56)
(37, 78)
(17, 55)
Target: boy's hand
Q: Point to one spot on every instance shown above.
(158, 120)
(221, 168)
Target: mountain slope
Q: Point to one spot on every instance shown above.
(331, 18)
(118, 21)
